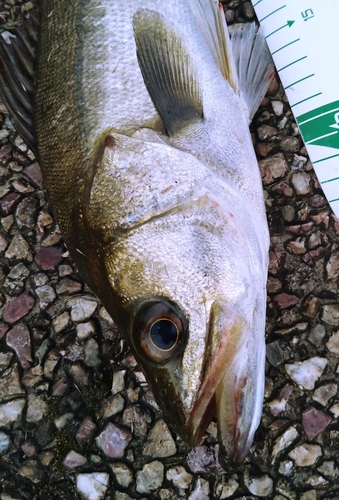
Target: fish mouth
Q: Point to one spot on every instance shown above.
(231, 391)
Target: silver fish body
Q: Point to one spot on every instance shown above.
(143, 139)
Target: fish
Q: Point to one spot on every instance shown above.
(139, 114)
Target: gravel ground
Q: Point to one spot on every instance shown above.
(69, 386)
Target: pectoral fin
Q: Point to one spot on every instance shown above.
(17, 58)
(168, 72)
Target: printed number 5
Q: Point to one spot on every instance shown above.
(308, 14)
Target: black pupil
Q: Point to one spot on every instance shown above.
(164, 334)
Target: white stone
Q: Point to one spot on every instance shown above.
(201, 490)
(150, 477)
(306, 373)
(301, 182)
(179, 477)
(327, 468)
(61, 322)
(118, 383)
(305, 454)
(284, 441)
(260, 486)
(333, 344)
(226, 489)
(82, 308)
(324, 393)
(309, 495)
(286, 467)
(74, 459)
(10, 412)
(92, 486)
(316, 481)
(278, 108)
(85, 330)
(36, 408)
(123, 474)
(63, 420)
(5, 442)
(335, 410)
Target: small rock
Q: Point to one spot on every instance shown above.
(60, 387)
(68, 286)
(5, 359)
(113, 440)
(31, 469)
(92, 486)
(73, 460)
(85, 432)
(19, 249)
(17, 309)
(5, 442)
(317, 334)
(309, 495)
(25, 213)
(327, 468)
(85, 330)
(49, 258)
(36, 408)
(225, 489)
(314, 421)
(10, 384)
(273, 168)
(313, 305)
(317, 201)
(61, 322)
(277, 352)
(160, 443)
(33, 376)
(118, 383)
(18, 338)
(179, 477)
(82, 308)
(9, 202)
(91, 352)
(260, 486)
(150, 477)
(34, 173)
(112, 406)
(288, 213)
(203, 459)
(51, 362)
(29, 448)
(284, 441)
(278, 405)
(46, 295)
(286, 468)
(123, 474)
(324, 393)
(278, 108)
(306, 373)
(290, 145)
(11, 412)
(201, 490)
(63, 420)
(332, 266)
(44, 433)
(333, 344)
(301, 182)
(316, 481)
(335, 410)
(284, 300)
(297, 247)
(305, 454)
(7, 222)
(138, 418)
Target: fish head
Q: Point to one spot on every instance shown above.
(188, 284)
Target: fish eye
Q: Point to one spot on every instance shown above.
(159, 331)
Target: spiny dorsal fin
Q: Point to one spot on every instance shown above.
(17, 58)
(210, 18)
(253, 63)
(168, 72)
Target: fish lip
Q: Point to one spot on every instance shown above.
(234, 438)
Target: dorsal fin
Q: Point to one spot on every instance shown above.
(168, 71)
(17, 59)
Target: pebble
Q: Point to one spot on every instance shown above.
(150, 477)
(85, 330)
(305, 454)
(18, 308)
(19, 249)
(316, 481)
(225, 489)
(333, 344)
(259, 486)
(112, 406)
(277, 353)
(113, 440)
(286, 467)
(5, 442)
(92, 486)
(118, 383)
(314, 421)
(82, 308)
(5, 359)
(51, 362)
(138, 418)
(34, 173)
(18, 338)
(123, 474)
(309, 495)
(324, 393)
(306, 373)
(61, 322)
(285, 300)
(317, 334)
(10, 384)
(48, 258)
(201, 490)
(273, 168)
(11, 412)
(290, 145)
(278, 108)
(160, 443)
(179, 477)
(284, 441)
(332, 266)
(91, 352)
(85, 432)
(68, 286)
(74, 460)
(331, 314)
(278, 405)
(9, 202)
(266, 132)
(46, 295)
(36, 408)
(63, 420)
(32, 376)
(203, 459)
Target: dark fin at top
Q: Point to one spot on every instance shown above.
(168, 72)
(254, 65)
(17, 59)
(210, 18)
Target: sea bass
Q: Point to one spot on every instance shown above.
(141, 113)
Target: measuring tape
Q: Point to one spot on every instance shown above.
(302, 36)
